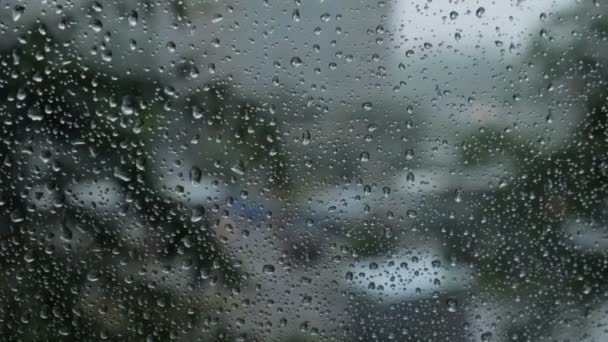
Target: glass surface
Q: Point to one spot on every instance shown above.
(304, 170)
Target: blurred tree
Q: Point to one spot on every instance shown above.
(92, 248)
(522, 246)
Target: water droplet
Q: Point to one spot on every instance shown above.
(367, 106)
(197, 112)
(96, 25)
(195, 175)
(133, 18)
(296, 62)
(171, 47)
(17, 216)
(480, 12)
(306, 137)
(121, 174)
(453, 15)
(18, 11)
(458, 196)
(364, 157)
(29, 256)
(66, 233)
(410, 177)
(239, 168)
(97, 6)
(386, 191)
(128, 105)
(35, 114)
(452, 304)
(268, 269)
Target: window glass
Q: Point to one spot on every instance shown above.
(265, 170)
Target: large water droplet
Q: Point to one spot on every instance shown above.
(296, 62)
(268, 269)
(452, 305)
(195, 175)
(133, 18)
(18, 11)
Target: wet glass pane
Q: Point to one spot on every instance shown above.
(265, 170)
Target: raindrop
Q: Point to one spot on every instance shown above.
(306, 137)
(452, 305)
(364, 157)
(18, 11)
(133, 18)
(17, 216)
(268, 269)
(239, 168)
(128, 105)
(197, 112)
(96, 25)
(171, 46)
(410, 177)
(458, 196)
(296, 62)
(195, 175)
